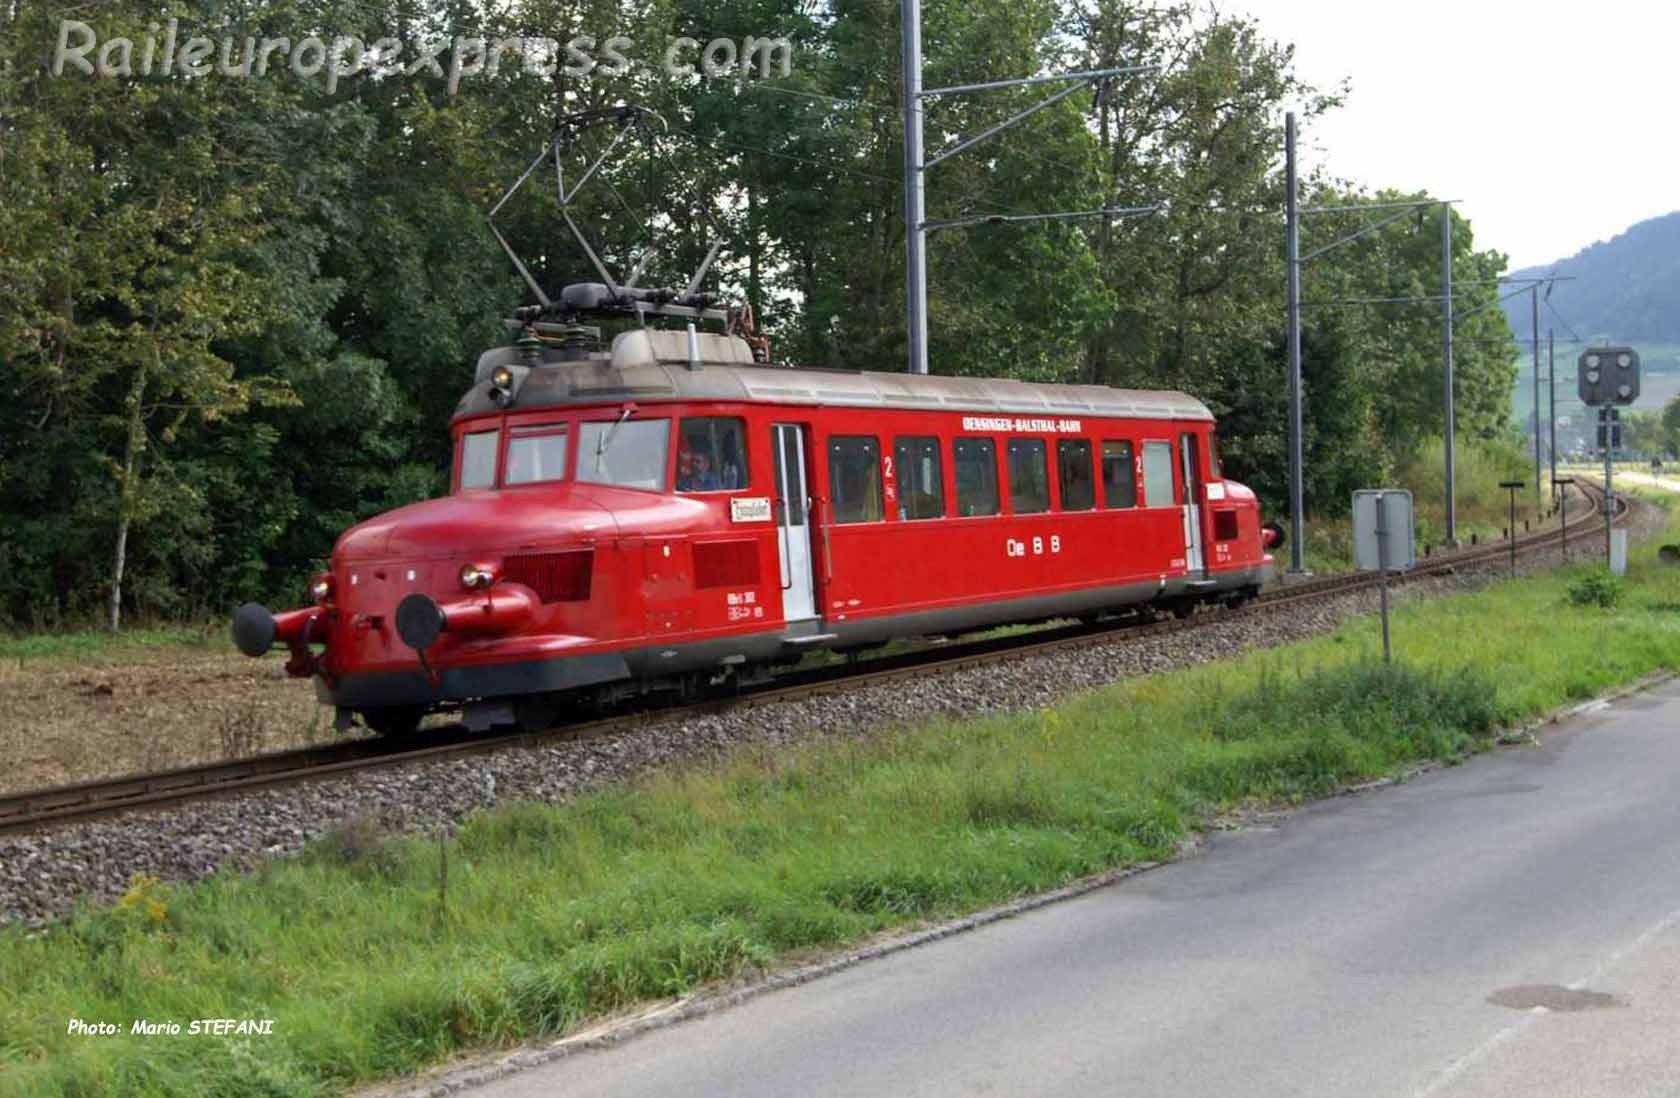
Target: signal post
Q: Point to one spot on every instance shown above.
(1608, 377)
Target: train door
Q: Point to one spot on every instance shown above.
(793, 527)
(1191, 463)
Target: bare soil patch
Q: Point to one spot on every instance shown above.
(149, 709)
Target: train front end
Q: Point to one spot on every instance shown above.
(480, 595)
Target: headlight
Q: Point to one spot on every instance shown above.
(501, 377)
(321, 587)
(476, 577)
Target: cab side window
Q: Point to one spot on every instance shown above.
(478, 458)
(854, 478)
(712, 454)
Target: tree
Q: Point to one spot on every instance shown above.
(1671, 426)
(131, 277)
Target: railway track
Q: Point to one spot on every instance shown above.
(38, 808)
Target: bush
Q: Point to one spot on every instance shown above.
(1479, 466)
(1596, 588)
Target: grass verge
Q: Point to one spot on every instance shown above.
(378, 955)
(85, 645)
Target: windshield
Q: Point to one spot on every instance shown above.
(536, 453)
(629, 453)
(478, 459)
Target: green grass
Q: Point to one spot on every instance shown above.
(99, 644)
(374, 960)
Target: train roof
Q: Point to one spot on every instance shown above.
(640, 368)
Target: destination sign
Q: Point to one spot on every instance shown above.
(1031, 426)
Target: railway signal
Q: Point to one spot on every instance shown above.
(1607, 375)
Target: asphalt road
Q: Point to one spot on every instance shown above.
(1397, 942)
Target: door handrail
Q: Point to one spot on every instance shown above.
(828, 555)
(784, 545)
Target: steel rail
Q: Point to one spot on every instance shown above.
(37, 808)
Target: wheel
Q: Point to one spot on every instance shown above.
(393, 722)
(1183, 609)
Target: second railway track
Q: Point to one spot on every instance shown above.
(40, 808)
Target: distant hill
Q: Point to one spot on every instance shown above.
(1626, 288)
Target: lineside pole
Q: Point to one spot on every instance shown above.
(1292, 219)
(1513, 538)
(1551, 383)
(1447, 362)
(915, 233)
(1609, 476)
(1382, 570)
(1561, 487)
(1534, 300)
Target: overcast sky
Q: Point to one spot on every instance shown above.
(1557, 125)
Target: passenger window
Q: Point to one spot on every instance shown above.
(1119, 475)
(1073, 475)
(478, 459)
(854, 478)
(536, 453)
(712, 455)
(921, 478)
(1029, 476)
(974, 462)
(1157, 474)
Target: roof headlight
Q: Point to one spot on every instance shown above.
(476, 577)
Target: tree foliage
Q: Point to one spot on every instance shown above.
(235, 314)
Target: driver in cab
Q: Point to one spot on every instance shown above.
(697, 474)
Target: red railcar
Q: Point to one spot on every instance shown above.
(669, 511)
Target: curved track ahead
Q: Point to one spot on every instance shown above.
(84, 800)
